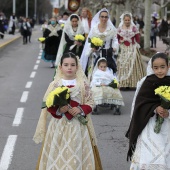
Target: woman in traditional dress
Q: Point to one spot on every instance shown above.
(67, 143)
(52, 36)
(102, 27)
(72, 27)
(149, 148)
(129, 62)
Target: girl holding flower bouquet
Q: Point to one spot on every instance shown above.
(149, 149)
(103, 93)
(67, 143)
(69, 41)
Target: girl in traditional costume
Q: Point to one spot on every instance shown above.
(72, 27)
(67, 143)
(101, 27)
(52, 36)
(149, 149)
(102, 92)
(129, 62)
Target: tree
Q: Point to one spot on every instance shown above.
(43, 7)
(147, 21)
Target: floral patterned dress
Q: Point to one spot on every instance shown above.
(129, 62)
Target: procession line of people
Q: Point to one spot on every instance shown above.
(69, 141)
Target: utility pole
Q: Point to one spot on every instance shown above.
(26, 8)
(14, 6)
(35, 10)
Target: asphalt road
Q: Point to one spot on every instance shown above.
(24, 79)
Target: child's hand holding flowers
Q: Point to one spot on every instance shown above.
(64, 109)
(164, 93)
(74, 111)
(162, 112)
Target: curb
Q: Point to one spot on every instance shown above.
(10, 41)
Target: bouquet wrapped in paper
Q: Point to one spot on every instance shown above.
(114, 84)
(61, 97)
(96, 42)
(164, 93)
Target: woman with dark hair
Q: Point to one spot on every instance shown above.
(72, 27)
(149, 148)
(67, 143)
(103, 28)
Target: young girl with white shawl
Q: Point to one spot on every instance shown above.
(67, 143)
(102, 93)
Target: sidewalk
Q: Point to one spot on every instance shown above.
(9, 38)
(160, 47)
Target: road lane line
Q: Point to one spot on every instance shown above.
(24, 97)
(40, 53)
(39, 57)
(33, 74)
(38, 62)
(35, 67)
(7, 154)
(18, 117)
(28, 85)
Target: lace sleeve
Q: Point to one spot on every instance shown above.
(88, 98)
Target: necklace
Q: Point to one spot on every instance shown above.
(74, 29)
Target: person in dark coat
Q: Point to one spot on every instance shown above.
(53, 35)
(25, 26)
(2, 30)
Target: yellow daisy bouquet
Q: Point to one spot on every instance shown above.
(62, 26)
(61, 97)
(96, 42)
(79, 38)
(114, 84)
(41, 39)
(164, 93)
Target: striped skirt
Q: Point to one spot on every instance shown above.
(130, 66)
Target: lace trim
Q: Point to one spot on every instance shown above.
(109, 101)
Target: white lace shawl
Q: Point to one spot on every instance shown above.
(53, 30)
(71, 34)
(85, 98)
(107, 35)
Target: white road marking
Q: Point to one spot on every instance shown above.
(28, 85)
(38, 62)
(33, 74)
(40, 53)
(39, 57)
(35, 67)
(24, 97)
(18, 117)
(7, 154)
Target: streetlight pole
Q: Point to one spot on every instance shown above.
(14, 6)
(35, 10)
(26, 8)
